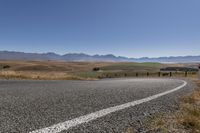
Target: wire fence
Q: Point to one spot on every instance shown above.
(148, 74)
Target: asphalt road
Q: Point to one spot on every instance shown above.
(26, 106)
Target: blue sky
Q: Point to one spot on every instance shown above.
(132, 28)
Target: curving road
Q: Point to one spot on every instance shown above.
(64, 106)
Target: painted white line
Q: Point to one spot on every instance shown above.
(89, 117)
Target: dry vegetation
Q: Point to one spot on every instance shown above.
(184, 120)
(72, 70)
(80, 70)
(46, 69)
(130, 130)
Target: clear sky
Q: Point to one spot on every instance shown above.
(132, 28)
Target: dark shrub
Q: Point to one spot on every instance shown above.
(96, 69)
(6, 67)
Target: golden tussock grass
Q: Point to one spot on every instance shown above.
(130, 130)
(39, 75)
(52, 70)
(185, 120)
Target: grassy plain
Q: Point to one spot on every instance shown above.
(59, 70)
(47, 69)
(67, 70)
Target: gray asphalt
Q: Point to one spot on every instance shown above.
(29, 105)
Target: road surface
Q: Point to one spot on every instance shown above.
(105, 106)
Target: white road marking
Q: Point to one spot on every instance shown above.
(89, 117)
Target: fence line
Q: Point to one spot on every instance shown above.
(147, 74)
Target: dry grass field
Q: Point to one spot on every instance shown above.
(58, 70)
(46, 69)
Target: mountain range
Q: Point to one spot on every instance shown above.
(13, 55)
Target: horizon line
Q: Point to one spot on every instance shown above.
(94, 54)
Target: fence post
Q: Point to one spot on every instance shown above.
(125, 74)
(170, 74)
(136, 74)
(147, 74)
(199, 72)
(158, 74)
(186, 73)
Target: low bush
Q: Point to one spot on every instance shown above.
(6, 66)
(96, 69)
